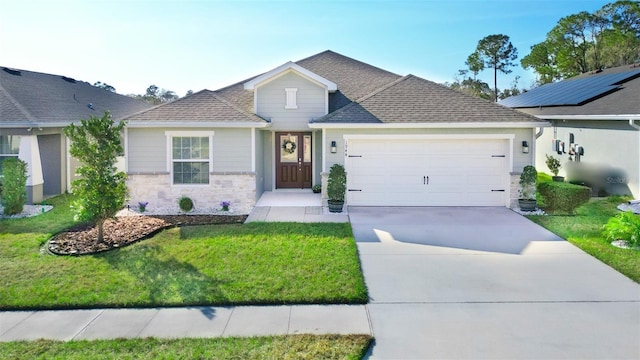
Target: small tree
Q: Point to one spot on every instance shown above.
(553, 164)
(101, 191)
(14, 181)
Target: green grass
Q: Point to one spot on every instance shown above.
(256, 263)
(280, 347)
(584, 230)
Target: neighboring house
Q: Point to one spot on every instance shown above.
(34, 108)
(405, 141)
(595, 133)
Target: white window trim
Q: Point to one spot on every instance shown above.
(291, 101)
(170, 135)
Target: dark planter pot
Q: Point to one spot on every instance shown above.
(335, 206)
(558, 178)
(527, 205)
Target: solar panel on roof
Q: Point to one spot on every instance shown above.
(570, 92)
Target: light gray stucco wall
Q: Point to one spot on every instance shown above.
(611, 154)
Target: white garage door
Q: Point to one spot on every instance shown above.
(427, 172)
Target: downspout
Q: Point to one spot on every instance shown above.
(539, 133)
(632, 123)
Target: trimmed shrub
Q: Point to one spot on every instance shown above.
(14, 181)
(544, 177)
(563, 197)
(185, 204)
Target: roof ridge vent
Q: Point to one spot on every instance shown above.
(12, 72)
(68, 79)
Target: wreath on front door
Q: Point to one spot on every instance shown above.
(288, 146)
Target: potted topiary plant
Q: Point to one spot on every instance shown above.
(554, 166)
(528, 180)
(336, 188)
(317, 188)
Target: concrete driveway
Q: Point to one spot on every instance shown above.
(478, 283)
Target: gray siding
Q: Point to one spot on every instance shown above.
(147, 149)
(52, 153)
(231, 150)
(259, 164)
(267, 158)
(271, 99)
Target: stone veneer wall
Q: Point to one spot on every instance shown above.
(515, 190)
(237, 187)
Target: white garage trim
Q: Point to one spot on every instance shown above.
(429, 136)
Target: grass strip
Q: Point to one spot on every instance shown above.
(278, 347)
(584, 230)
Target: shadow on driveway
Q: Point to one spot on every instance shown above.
(491, 229)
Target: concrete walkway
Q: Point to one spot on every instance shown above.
(293, 205)
(184, 322)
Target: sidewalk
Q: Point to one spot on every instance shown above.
(201, 322)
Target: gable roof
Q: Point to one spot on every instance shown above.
(354, 79)
(412, 99)
(290, 66)
(620, 99)
(195, 109)
(30, 98)
(365, 95)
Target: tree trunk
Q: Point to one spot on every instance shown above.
(100, 231)
(495, 82)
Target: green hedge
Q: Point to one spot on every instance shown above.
(14, 180)
(561, 197)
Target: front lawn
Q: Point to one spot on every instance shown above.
(584, 230)
(278, 347)
(256, 263)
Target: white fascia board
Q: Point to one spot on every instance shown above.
(25, 125)
(257, 81)
(622, 117)
(427, 136)
(164, 124)
(509, 125)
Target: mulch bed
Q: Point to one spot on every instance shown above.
(126, 230)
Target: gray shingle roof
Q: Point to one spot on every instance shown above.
(28, 97)
(355, 79)
(624, 101)
(366, 94)
(412, 99)
(203, 106)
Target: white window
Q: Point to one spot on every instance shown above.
(190, 157)
(291, 98)
(9, 147)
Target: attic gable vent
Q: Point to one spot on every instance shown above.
(68, 79)
(12, 72)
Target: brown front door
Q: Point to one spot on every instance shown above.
(293, 160)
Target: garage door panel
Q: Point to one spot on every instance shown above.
(460, 172)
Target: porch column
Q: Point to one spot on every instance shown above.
(30, 153)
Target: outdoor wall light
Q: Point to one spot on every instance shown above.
(334, 148)
(525, 147)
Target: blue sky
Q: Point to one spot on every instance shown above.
(182, 45)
